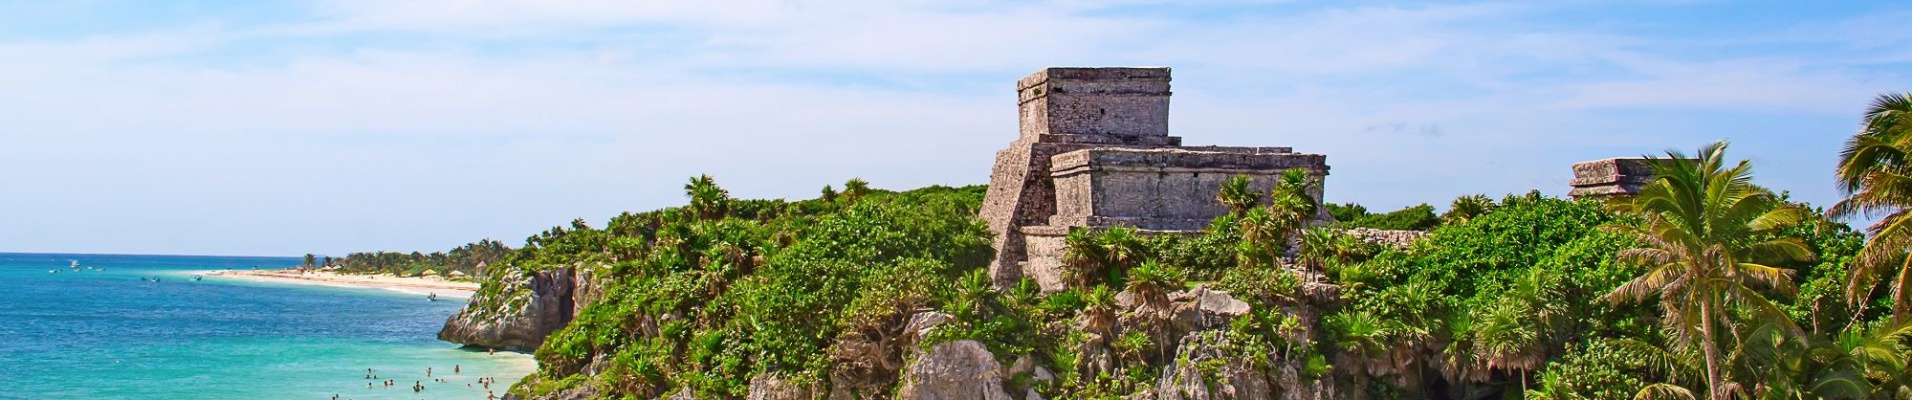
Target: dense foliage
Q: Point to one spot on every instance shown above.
(1414, 218)
(1704, 286)
(465, 260)
(709, 295)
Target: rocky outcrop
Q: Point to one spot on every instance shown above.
(522, 309)
(868, 364)
(771, 386)
(1201, 309)
(959, 370)
(1203, 370)
(582, 392)
(1398, 239)
(1206, 368)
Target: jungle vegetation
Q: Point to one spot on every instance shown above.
(1704, 285)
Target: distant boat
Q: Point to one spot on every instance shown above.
(431, 297)
(52, 271)
(197, 278)
(76, 263)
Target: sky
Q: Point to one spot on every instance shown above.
(263, 127)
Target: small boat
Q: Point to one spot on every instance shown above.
(197, 278)
(75, 263)
(52, 271)
(431, 297)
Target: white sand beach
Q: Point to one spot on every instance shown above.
(413, 285)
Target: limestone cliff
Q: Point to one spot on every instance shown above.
(518, 310)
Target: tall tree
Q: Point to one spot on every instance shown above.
(1705, 233)
(1875, 172)
(1291, 201)
(706, 199)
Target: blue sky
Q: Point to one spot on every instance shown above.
(280, 128)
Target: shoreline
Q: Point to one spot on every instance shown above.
(416, 286)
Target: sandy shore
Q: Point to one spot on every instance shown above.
(419, 286)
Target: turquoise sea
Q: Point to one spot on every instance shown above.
(111, 334)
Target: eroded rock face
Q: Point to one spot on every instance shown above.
(775, 387)
(1202, 370)
(1201, 308)
(959, 370)
(582, 392)
(521, 313)
(920, 325)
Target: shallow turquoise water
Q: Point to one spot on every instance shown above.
(111, 335)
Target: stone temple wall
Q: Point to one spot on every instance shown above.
(1094, 152)
(1610, 177)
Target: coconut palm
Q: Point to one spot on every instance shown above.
(1237, 195)
(1705, 231)
(1875, 173)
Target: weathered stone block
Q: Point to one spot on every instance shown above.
(1163, 189)
(1610, 177)
(1109, 102)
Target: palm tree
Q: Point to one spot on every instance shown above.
(1099, 311)
(855, 188)
(1318, 247)
(1237, 195)
(1291, 203)
(1151, 283)
(1875, 173)
(1704, 228)
(1465, 208)
(1506, 338)
(1267, 231)
(706, 199)
(1261, 238)
(1083, 257)
(1121, 248)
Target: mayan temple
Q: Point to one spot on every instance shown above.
(1094, 151)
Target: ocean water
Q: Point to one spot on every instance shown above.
(110, 334)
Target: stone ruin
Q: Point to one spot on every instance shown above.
(1610, 177)
(1094, 152)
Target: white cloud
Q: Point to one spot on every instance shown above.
(426, 123)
